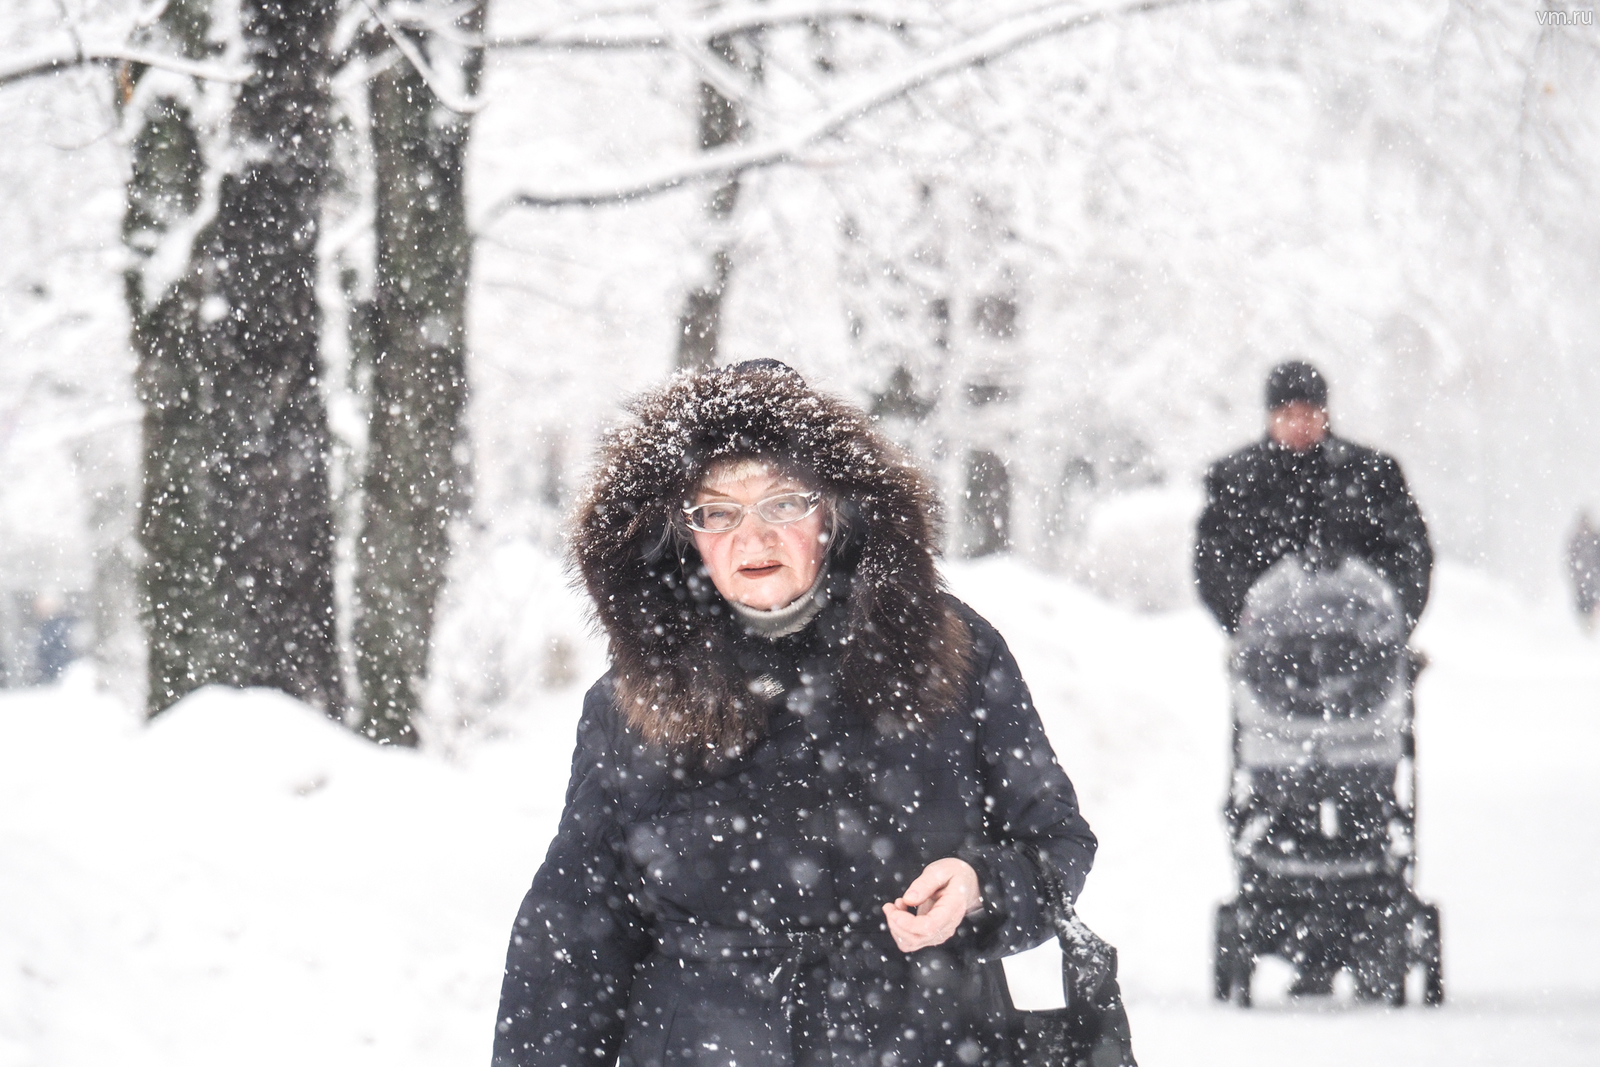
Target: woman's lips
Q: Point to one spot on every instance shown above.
(760, 570)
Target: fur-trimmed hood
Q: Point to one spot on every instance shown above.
(903, 654)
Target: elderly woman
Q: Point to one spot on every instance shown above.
(812, 805)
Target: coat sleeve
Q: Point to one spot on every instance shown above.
(578, 935)
(1400, 547)
(1032, 812)
(1226, 560)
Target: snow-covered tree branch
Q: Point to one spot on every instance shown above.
(43, 61)
(998, 40)
(460, 104)
(650, 30)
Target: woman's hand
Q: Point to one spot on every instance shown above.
(933, 906)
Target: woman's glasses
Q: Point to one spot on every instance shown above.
(723, 515)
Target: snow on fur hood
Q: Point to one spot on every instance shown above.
(905, 653)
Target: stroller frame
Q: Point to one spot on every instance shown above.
(1355, 910)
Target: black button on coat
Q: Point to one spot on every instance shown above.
(733, 916)
(1333, 500)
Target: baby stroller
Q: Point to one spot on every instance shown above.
(1322, 810)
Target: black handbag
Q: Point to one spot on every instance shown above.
(1092, 1030)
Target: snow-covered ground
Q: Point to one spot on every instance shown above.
(242, 882)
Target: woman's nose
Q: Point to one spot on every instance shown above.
(755, 530)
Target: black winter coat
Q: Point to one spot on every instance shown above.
(1333, 500)
(733, 916)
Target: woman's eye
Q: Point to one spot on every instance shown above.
(716, 514)
(787, 506)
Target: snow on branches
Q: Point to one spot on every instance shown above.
(969, 48)
(78, 53)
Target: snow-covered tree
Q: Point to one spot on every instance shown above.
(223, 218)
(225, 208)
(416, 470)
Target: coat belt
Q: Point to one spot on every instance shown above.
(784, 956)
(712, 944)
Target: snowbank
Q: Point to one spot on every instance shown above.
(244, 882)
(1138, 547)
(513, 632)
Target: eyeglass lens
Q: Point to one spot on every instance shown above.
(778, 510)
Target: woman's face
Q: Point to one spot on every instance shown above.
(756, 563)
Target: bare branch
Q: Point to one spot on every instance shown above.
(999, 40)
(64, 57)
(461, 105)
(648, 31)
(694, 47)
(440, 22)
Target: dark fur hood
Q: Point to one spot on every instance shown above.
(903, 655)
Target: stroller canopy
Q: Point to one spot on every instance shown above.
(1318, 664)
(1323, 644)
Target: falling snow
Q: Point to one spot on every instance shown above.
(1054, 277)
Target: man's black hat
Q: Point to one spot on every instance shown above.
(1296, 380)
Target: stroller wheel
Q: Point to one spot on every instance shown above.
(1381, 962)
(1234, 962)
(1428, 945)
(1395, 967)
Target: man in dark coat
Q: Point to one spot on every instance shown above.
(756, 789)
(1304, 490)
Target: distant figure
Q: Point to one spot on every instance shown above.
(1304, 490)
(54, 649)
(1583, 561)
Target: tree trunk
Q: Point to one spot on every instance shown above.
(236, 520)
(722, 122)
(164, 191)
(417, 471)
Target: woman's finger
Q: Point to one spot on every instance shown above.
(904, 940)
(909, 930)
(912, 932)
(926, 885)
